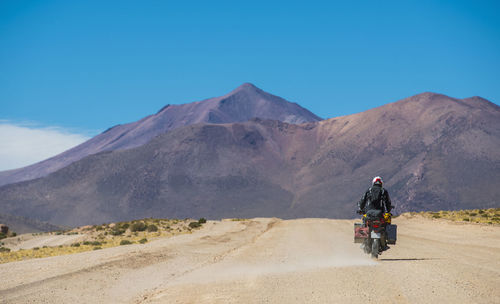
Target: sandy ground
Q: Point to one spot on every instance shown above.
(272, 261)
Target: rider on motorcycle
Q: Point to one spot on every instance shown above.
(376, 198)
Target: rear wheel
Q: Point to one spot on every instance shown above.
(367, 246)
(375, 247)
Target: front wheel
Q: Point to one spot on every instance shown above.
(375, 247)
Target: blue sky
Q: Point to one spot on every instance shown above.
(87, 65)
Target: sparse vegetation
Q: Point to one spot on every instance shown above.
(484, 216)
(116, 230)
(138, 226)
(125, 242)
(194, 225)
(152, 228)
(103, 236)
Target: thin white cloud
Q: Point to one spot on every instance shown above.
(22, 145)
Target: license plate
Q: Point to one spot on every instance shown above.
(375, 235)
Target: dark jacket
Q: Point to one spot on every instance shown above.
(376, 197)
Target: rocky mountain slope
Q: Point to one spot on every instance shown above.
(242, 104)
(434, 152)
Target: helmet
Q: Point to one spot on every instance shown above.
(377, 180)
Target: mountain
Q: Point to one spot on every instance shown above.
(434, 152)
(242, 104)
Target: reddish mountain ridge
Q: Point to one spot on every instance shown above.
(242, 104)
(434, 152)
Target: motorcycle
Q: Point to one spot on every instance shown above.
(373, 232)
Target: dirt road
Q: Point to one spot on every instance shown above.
(272, 261)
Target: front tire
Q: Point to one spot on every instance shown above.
(375, 247)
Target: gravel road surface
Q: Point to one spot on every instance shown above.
(272, 261)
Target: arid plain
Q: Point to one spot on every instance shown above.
(268, 260)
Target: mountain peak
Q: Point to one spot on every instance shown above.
(246, 87)
(431, 98)
(428, 95)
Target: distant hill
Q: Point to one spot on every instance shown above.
(434, 153)
(21, 224)
(242, 104)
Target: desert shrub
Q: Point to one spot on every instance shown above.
(125, 226)
(117, 231)
(152, 228)
(465, 219)
(125, 242)
(36, 248)
(59, 233)
(99, 228)
(473, 214)
(139, 226)
(14, 234)
(3, 249)
(95, 243)
(2, 235)
(194, 225)
(143, 241)
(481, 211)
(86, 243)
(96, 248)
(436, 216)
(45, 247)
(75, 245)
(202, 220)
